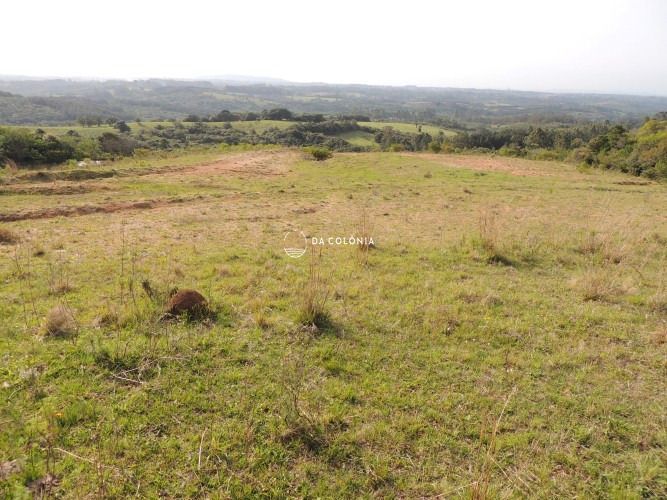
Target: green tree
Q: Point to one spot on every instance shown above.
(122, 127)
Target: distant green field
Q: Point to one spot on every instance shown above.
(95, 131)
(63, 129)
(409, 127)
(358, 138)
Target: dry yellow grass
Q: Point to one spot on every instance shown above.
(7, 237)
(59, 322)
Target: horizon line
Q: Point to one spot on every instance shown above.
(277, 81)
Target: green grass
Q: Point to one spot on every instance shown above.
(410, 127)
(473, 314)
(359, 138)
(63, 129)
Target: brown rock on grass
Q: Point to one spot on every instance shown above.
(189, 302)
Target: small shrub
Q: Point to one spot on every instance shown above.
(658, 302)
(7, 237)
(320, 154)
(59, 322)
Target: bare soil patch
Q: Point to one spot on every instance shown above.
(72, 211)
(59, 188)
(252, 164)
(514, 166)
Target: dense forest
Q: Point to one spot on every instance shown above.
(65, 101)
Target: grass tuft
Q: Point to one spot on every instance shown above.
(660, 335)
(60, 322)
(597, 284)
(8, 237)
(315, 294)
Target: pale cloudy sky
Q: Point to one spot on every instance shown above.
(567, 45)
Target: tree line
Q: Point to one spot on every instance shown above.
(640, 151)
(279, 114)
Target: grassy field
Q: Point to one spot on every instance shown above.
(410, 128)
(95, 131)
(506, 336)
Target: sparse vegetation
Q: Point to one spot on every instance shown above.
(323, 377)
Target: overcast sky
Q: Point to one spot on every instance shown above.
(566, 45)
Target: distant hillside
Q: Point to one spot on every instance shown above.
(62, 101)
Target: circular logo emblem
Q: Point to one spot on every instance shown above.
(295, 244)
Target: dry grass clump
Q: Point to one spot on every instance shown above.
(260, 314)
(60, 287)
(658, 302)
(7, 237)
(492, 300)
(660, 335)
(60, 322)
(315, 295)
(106, 318)
(614, 240)
(489, 239)
(488, 231)
(591, 244)
(364, 233)
(597, 285)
